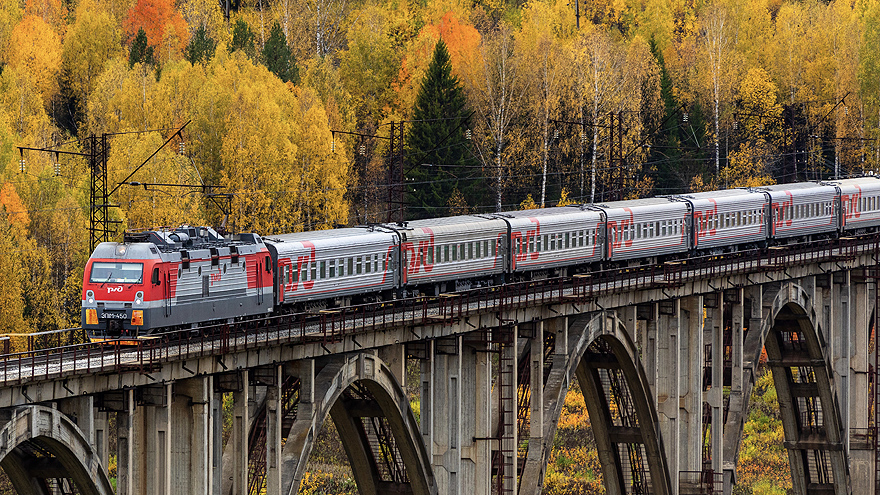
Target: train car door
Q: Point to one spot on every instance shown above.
(259, 277)
(285, 269)
(165, 280)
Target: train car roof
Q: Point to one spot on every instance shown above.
(795, 186)
(368, 234)
(724, 193)
(635, 203)
(546, 212)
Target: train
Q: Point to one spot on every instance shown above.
(160, 280)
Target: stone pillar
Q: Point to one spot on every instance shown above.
(861, 460)
(737, 399)
(394, 357)
(158, 419)
(716, 390)
(426, 401)
(274, 415)
(447, 416)
(536, 396)
(691, 385)
(840, 334)
(194, 441)
(668, 373)
(126, 472)
(240, 431)
(476, 395)
(216, 441)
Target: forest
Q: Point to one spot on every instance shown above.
(314, 114)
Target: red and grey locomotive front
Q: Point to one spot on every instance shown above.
(167, 280)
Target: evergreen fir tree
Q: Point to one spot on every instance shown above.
(278, 57)
(242, 39)
(201, 47)
(441, 165)
(141, 51)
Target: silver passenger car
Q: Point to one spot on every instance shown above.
(646, 227)
(725, 218)
(333, 263)
(801, 209)
(460, 248)
(554, 237)
(859, 206)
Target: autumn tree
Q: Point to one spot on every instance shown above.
(35, 49)
(716, 39)
(497, 87)
(91, 41)
(370, 68)
(163, 25)
(550, 71)
(441, 165)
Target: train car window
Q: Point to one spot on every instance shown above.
(581, 235)
(314, 271)
(368, 261)
(567, 245)
(332, 268)
(323, 271)
(428, 254)
(360, 262)
(470, 250)
(350, 269)
(454, 253)
(375, 262)
(463, 246)
(552, 243)
(477, 249)
(486, 248)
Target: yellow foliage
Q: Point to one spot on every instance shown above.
(528, 203)
(35, 48)
(563, 198)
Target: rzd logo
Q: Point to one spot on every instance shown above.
(305, 261)
(850, 204)
(522, 241)
(421, 255)
(780, 210)
(703, 221)
(111, 290)
(617, 232)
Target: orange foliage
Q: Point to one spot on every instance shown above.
(11, 203)
(462, 40)
(159, 19)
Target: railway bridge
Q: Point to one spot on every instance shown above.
(666, 355)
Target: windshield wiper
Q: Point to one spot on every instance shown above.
(109, 276)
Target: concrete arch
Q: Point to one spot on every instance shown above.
(48, 430)
(387, 400)
(796, 350)
(587, 334)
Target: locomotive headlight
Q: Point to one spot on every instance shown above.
(90, 297)
(139, 297)
(120, 250)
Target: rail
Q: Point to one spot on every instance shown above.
(328, 326)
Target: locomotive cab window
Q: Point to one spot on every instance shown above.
(116, 273)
